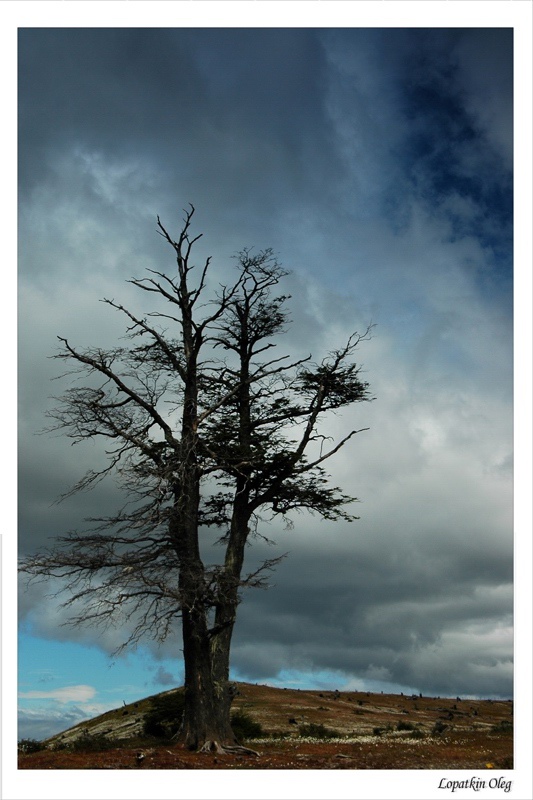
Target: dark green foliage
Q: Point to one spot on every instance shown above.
(315, 731)
(439, 727)
(164, 718)
(417, 734)
(379, 731)
(505, 726)
(30, 746)
(244, 727)
(405, 726)
(92, 744)
(340, 385)
(59, 746)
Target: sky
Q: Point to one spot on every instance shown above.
(378, 165)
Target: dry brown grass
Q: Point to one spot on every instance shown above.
(477, 735)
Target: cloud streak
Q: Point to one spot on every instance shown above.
(65, 694)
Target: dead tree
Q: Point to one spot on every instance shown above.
(205, 428)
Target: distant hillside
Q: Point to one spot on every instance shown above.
(120, 723)
(284, 711)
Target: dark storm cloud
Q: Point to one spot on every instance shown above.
(377, 163)
(450, 151)
(347, 608)
(279, 125)
(418, 132)
(83, 87)
(237, 111)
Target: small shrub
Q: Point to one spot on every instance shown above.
(244, 727)
(504, 726)
(91, 744)
(30, 746)
(439, 727)
(379, 731)
(314, 731)
(405, 726)
(164, 718)
(417, 734)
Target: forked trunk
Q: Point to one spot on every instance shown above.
(206, 721)
(222, 632)
(206, 725)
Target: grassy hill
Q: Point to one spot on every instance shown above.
(284, 711)
(296, 729)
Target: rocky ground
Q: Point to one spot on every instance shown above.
(369, 731)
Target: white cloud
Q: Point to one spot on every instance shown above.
(65, 694)
(42, 721)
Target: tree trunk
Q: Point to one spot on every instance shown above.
(208, 694)
(228, 601)
(206, 725)
(206, 722)
(206, 718)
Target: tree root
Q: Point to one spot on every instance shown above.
(212, 746)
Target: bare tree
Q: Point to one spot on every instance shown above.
(206, 427)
